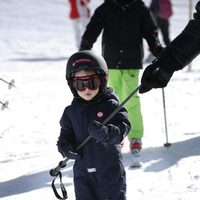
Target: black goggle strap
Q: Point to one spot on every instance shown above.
(62, 187)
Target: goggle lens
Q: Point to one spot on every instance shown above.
(90, 82)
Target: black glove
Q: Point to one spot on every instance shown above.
(68, 151)
(85, 45)
(114, 135)
(109, 134)
(72, 154)
(100, 134)
(154, 77)
(156, 50)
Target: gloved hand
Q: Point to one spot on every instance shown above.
(85, 45)
(109, 134)
(100, 134)
(72, 154)
(114, 134)
(154, 77)
(156, 50)
(68, 151)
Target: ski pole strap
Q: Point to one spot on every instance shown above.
(62, 187)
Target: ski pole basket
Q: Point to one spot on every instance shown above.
(10, 84)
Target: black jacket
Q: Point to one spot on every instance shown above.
(184, 48)
(123, 31)
(110, 174)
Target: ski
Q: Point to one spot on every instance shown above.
(135, 165)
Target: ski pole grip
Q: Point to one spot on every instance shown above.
(55, 171)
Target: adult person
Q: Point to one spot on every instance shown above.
(80, 16)
(162, 11)
(180, 52)
(124, 24)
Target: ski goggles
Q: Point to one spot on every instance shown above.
(91, 82)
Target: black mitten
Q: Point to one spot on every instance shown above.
(114, 134)
(100, 134)
(68, 151)
(85, 45)
(109, 134)
(154, 76)
(156, 50)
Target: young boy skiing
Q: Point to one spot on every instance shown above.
(98, 170)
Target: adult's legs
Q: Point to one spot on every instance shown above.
(77, 31)
(164, 28)
(124, 82)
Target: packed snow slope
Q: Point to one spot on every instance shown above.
(36, 40)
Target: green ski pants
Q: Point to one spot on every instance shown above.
(124, 82)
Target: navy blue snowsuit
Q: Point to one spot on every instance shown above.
(99, 174)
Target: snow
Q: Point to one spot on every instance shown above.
(36, 40)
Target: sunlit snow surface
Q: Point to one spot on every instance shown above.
(36, 40)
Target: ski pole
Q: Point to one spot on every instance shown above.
(10, 84)
(4, 105)
(167, 144)
(62, 164)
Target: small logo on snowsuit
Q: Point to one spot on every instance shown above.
(100, 114)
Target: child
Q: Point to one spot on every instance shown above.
(124, 24)
(80, 15)
(98, 170)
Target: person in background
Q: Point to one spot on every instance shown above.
(79, 15)
(98, 170)
(162, 10)
(180, 52)
(125, 23)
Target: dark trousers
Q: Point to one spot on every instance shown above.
(94, 186)
(163, 25)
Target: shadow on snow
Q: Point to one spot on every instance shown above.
(158, 159)
(30, 182)
(39, 59)
(161, 158)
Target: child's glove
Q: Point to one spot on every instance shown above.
(72, 154)
(68, 151)
(109, 134)
(100, 134)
